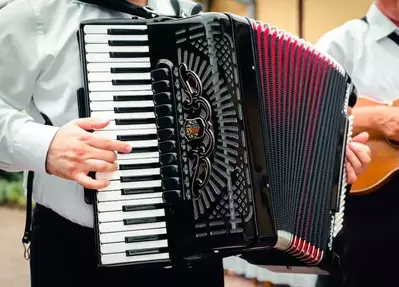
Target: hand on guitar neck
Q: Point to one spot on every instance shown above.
(381, 121)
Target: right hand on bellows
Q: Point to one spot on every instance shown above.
(74, 152)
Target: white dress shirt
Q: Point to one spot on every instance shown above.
(40, 72)
(366, 52)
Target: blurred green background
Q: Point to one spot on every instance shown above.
(11, 189)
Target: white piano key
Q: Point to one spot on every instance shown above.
(138, 161)
(105, 48)
(110, 105)
(109, 96)
(117, 258)
(106, 58)
(117, 185)
(147, 143)
(122, 247)
(118, 205)
(120, 236)
(103, 29)
(114, 134)
(104, 38)
(106, 67)
(113, 127)
(108, 86)
(120, 215)
(104, 77)
(116, 195)
(113, 116)
(134, 155)
(120, 226)
(128, 173)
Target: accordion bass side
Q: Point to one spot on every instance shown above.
(239, 132)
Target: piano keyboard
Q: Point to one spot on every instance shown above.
(130, 211)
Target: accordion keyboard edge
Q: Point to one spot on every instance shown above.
(238, 131)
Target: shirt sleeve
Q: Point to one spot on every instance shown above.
(23, 142)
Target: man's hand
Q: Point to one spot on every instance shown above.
(358, 157)
(386, 120)
(74, 152)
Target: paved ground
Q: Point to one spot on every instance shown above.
(14, 269)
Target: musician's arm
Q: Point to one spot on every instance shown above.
(23, 142)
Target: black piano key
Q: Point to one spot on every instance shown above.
(132, 98)
(139, 165)
(145, 251)
(145, 238)
(129, 54)
(163, 110)
(140, 178)
(127, 43)
(165, 122)
(127, 32)
(134, 221)
(169, 171)
(133, 110)
(171, 196)
(162, 98)
(161, 86)
(129, 70)
(167, 146)
(136, 137)
(171, 183)
(166, 134)
(130, 82)
(129, 208)
(167, 159)
(130, 191)
(122, 122)
(160, 74)
(142, 150)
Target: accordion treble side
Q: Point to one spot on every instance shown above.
(239, 132)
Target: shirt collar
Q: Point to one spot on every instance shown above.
(380, 25)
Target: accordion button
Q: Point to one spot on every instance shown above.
(163, 110)
(169, 171)
(161, 86)
(167, 158)
(166, 134)
(171, 183)
(162, 98)
(160, 74)
(171, 196)
(165, 122)
(167, 146)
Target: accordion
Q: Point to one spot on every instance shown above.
(239, 131)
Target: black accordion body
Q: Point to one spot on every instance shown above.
(238, 130)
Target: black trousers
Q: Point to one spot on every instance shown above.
(63, 254)
(369, 243)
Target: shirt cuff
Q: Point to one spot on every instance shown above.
(31, 145)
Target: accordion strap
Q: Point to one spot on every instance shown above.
(125, 6)
(26, 239)
(393, 36)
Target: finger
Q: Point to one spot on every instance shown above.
(361, 138)
(354, 161)
(99, 154)
(91, 123)
(90, 183)
(362, 152)
(95, 165)
(350, 173)
(109, 144)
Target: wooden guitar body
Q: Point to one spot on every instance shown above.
(384, 157)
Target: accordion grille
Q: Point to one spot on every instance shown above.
(303, 104)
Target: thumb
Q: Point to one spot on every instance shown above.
(91, 123)
(361, 138)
